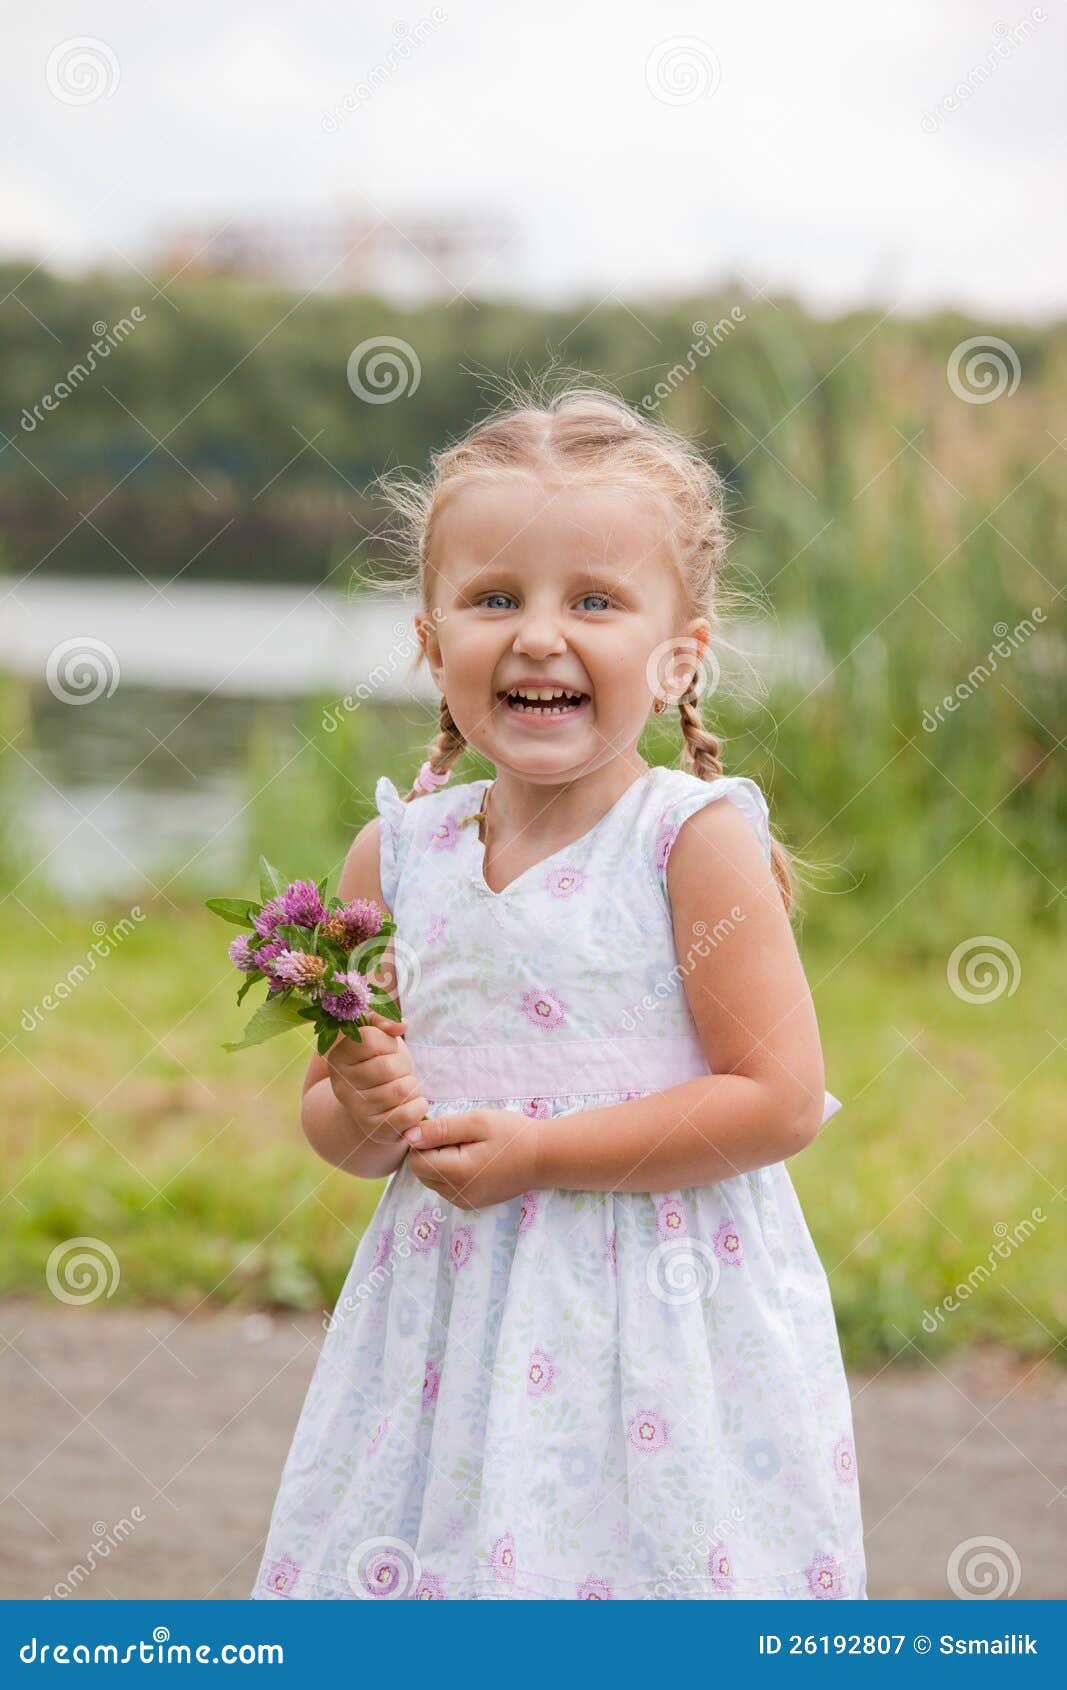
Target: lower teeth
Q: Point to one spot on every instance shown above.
(545, 710)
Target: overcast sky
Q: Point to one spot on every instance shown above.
(632, 149)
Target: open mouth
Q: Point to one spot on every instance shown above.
(543, 701)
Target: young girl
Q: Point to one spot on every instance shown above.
(586, 1347)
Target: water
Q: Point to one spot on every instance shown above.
(132, 763)
(240, 641)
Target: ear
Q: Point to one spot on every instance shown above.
(699, 633)
(426, 630)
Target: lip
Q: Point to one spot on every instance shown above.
(540, 681)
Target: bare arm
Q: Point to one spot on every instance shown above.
(753, 1011)
(358, 1099)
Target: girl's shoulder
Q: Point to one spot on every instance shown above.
(676, 794)
(412, 825)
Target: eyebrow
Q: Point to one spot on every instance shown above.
(583, 572)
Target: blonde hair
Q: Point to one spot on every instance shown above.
(580, 432)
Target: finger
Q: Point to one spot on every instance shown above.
(391, 1125)
(386, 1024)
(373, 1041)
(444, 1129)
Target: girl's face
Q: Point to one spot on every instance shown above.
(543, 587)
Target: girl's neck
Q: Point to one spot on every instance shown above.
(550, 809)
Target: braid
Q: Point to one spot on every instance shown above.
(702, 746)
(444, 751)
(703, 749)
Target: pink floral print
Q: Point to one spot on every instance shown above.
(430, 1588)
(845, 1461)
(424, 1229)
(282, 1576)
(825, 1576)
(385, 1575)
(648, 1430)
(544, 1009)
(720, 1571)
(447, 835)
(594, 1589)
(563, 882)
(502, 1558)
(670, 1218)
(461, 1248)
(529, 1208)
(539, 1374)
(431, 1384)
(665, 839)
(727, 1244)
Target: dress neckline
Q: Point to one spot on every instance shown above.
(478, 856)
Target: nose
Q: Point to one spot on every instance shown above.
(539, 634)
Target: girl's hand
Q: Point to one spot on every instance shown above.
(486, 1156)
(373, 1080)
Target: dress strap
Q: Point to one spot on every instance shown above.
(392, 841)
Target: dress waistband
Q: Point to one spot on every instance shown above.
(500, 1072)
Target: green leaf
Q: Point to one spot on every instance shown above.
(296, 938)
(238, 910)
(249, 983)
(272, 883)
(350, 1029)
(277, 1015)
(333, 953)
(326, 1039)
(386, 1006)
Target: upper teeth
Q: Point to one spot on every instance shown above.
(540, 692)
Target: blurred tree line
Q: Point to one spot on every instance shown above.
(893, 488)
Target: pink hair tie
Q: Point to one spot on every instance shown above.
(426, 780)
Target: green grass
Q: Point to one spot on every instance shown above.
(127, 1122)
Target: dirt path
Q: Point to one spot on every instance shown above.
(168, 1437)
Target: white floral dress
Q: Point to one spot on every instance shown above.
(575, 1394)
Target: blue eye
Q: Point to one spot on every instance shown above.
(489, 596)
(604, 596)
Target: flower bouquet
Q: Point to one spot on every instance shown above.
(302, 945)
